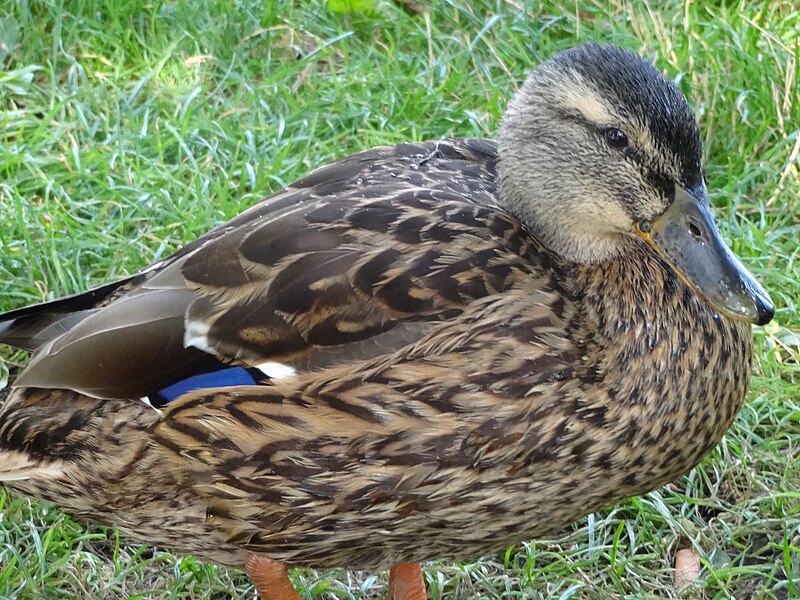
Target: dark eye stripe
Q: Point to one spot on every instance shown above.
(662, 182)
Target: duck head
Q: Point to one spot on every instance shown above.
(599, 151)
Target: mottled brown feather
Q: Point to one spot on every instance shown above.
(315, 265)
(464, 388)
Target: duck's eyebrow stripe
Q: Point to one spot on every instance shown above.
(578, 117)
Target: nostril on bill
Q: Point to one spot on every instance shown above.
(695, 231)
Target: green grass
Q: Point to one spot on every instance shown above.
(130, 127)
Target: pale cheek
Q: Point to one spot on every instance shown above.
(600, 216)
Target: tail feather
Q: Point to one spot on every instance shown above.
(31, 326)
(33, 331)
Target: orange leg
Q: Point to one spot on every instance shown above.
(270, 577)
(406, 582)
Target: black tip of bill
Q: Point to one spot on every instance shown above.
(765, 310)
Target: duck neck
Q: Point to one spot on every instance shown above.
(631, 289)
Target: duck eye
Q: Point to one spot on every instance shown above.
(616, 138)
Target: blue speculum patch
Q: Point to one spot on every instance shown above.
(223, 378)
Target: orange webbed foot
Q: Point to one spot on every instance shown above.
(270, 577)
(406, 582)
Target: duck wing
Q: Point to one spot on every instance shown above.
(360, 258)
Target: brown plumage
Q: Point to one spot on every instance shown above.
(475, 346)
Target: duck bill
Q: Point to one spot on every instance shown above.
(687, 239)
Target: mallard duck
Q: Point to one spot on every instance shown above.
(430, 350)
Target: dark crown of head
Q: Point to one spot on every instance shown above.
(637, 89)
